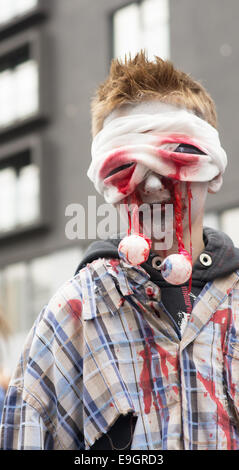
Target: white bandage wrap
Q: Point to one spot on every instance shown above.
(148, 140)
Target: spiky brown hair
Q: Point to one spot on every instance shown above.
(138, 79)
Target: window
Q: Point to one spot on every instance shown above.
(19, 196)
(9, 9)
(28, 194)
(142, 25)
(24, 101)
(18, 92)
(20, 185)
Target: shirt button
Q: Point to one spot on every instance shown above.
(149, 291)
(156, 262)
(152, 291)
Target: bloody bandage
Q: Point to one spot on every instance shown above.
(128, 147)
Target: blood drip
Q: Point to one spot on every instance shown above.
(133, 219)
(189, 194)
(147, 381)
(129, 220)
(178, 216)
(135, 247)
(135, 200)
(222, 416)
(179, 222)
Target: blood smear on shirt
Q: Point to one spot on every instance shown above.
(76, 308)
(147, 381)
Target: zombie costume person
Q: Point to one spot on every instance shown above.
(128, 149)
(124, 356)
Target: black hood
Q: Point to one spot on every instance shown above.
(225, 256)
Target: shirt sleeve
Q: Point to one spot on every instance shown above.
(22, 426)
(43, 405)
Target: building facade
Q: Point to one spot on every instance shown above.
(53, 55)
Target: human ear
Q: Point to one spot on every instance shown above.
(215, 184)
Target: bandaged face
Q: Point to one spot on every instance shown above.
(157, 153)
(155, 137)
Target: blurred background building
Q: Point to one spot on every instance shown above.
(53, 54)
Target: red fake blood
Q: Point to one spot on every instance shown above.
(149, 291)
(178, 216)
(133, 213)
(115, 159)
(166, 357)
(182, 139)
(179, 222)
(189, 194)
(179, 159)
(114, 263)
(120, 179)
(221, 317)
(121, 302)
(224, 319)
(136, 202)
(223, 418)
(146, 379)
(76, 307)
(129, 221)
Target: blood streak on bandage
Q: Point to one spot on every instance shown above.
(141, 141)
(120, 175)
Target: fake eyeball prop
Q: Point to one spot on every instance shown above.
(134, 249)
(176, 269)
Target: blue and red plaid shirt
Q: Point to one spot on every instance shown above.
(103, 347)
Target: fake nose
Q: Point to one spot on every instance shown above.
(152, 184)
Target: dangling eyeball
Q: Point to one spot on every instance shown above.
(176, 269)
(134, 249)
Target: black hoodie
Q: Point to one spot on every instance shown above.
(221, 259)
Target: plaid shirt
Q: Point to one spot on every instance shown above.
(105, 346)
